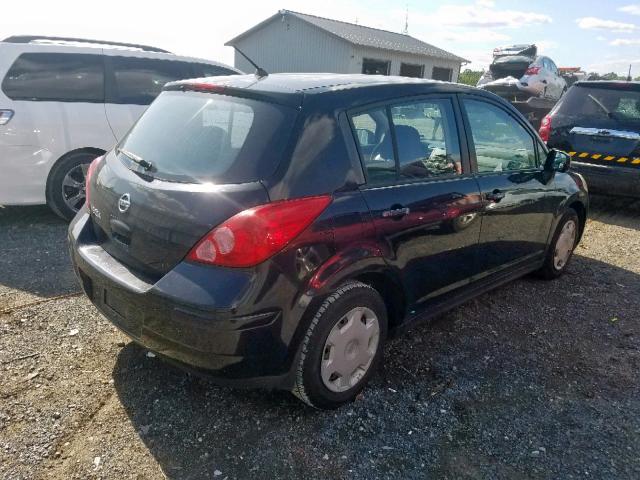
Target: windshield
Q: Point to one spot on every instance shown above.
(201, 137)
(602, 103)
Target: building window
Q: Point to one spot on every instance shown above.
(410, 70)
(443, 74)
(375, 67)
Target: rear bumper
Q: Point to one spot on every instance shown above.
(190, 321)
(610, 179)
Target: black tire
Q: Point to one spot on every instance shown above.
(549, 270)
(55, 198)
(309, 386)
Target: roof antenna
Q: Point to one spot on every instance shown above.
(406, 21)
(260, 72)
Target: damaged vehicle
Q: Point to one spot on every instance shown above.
(518, 74)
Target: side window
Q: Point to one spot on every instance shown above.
(501, 143)
(140, 80)
(206, 70)
(373, 134)
(427, 139)
(63, 77)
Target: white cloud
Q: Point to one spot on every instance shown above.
(486, 3)
(482, 15)
(632, 9)
(546, 46)
(477, 36)
(619, 66)
(593, 23)
(618, 42)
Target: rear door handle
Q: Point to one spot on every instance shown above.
(495, 196)
(395, 212)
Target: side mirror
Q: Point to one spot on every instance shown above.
(557, 161)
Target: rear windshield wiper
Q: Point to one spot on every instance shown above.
(135, 158)
(599, 103)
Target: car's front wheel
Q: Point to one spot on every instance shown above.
(562, 245)
(342, 346)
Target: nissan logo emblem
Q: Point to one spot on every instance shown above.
(124, 203)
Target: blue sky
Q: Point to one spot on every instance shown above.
(598, 36)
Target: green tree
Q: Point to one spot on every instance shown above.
(470, 77)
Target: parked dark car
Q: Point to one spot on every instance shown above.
(598, 123)
(275, 231)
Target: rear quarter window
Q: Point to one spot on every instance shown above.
(63, 77)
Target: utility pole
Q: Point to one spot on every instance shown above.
(629, 75)
(406, 21)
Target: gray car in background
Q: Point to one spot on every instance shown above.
(518, 74)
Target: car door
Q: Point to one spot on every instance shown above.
(422, 197)
(519, 200)
(133, 82)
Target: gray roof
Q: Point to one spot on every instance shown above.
(363, 36)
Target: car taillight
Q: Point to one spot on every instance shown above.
(87, 178)
(532, 71)
(254, 235)
(5, 116)
(545, 128)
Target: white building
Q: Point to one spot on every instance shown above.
(295, 42)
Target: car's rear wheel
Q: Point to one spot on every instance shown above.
(66, 186)
(562, 246)
(342, 346)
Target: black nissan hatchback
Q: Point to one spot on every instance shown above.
(275, 231)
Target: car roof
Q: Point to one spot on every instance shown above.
(316, 83)
(346, 90)
(613, 84)
(37, 43)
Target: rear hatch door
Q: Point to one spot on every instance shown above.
(192, 161)
(600, 123)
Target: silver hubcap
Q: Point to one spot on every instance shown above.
(349, 349)
(564, 245)
(73, 187)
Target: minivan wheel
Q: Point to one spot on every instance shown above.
(342, 346)
(564, 242)
(66, 185)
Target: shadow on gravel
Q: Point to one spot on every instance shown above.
(533, 380)
(624, 212)
(33, 254)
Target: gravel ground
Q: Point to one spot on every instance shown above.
(534, 380)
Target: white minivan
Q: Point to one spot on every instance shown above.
(66, 101)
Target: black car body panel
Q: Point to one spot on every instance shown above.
(427, 244)
(598, 123)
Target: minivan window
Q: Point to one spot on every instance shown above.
(139, 81)
(201, 137)
(501, 143)
(62, 77)
(427, 139)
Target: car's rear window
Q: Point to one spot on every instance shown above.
(598, 102)
(202, 137)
